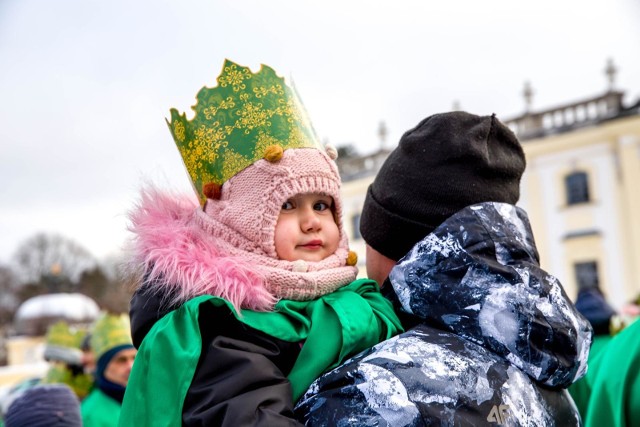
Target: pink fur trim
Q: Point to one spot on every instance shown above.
(183, 260)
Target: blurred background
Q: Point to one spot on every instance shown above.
(85, 87)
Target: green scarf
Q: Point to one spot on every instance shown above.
(333, 328)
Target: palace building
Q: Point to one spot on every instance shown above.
(581, 190)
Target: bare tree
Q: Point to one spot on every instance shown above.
(346, 151)
(8, 298)
(8, 306)
(51, 258)
(107, 288)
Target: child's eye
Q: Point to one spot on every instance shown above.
(321, 206)
(288, 205)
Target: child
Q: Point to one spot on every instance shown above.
(258, 282)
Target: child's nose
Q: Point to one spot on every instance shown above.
(310, 221)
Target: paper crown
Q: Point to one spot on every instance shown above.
(81, 383)
(63, 344)
(110, 331)
(236, 122)
(62, 335)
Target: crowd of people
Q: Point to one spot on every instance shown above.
(84, 386)
(248, 309)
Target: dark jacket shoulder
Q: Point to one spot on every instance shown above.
(494, 338)
(240, 367)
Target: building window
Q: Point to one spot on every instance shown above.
(355, 223)
(586, 275)
(577, 186)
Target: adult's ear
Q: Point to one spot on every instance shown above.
(378, 266)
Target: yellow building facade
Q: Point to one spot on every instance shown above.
(581, 190)
(357, 173)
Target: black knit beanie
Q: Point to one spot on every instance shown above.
(445, 163)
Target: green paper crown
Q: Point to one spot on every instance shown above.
(60, 374)
(236, 121)
(60, 334)
(110, 331)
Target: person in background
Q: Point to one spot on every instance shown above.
(610, 392)
(613, 382)
(492, 338)
(88, 359)
(592, 304)
(115, 353)
(65, 357)
(63, 354)
(45, 405)
(14, 392)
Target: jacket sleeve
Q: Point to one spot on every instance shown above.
(147, 306)
(239, 380)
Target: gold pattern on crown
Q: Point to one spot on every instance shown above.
(236, 121)
(109, 331)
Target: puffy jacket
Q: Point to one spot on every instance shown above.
(494, 338)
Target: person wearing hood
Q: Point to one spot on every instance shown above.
(115, 354)
(491, 337)
(65, 356)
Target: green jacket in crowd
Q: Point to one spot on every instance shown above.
(613, 382)
(100, 410)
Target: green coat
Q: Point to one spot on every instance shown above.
(100, 410)
(581, 390)
(333, 328)
(614, 382)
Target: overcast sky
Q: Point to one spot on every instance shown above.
(85, 85)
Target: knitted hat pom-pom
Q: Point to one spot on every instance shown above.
(273, 153)
(211, 190)
(352, 258)
(331, 151)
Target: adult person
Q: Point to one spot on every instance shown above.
(115, 353)
(62, 352)
(65, 356)
(491, 337)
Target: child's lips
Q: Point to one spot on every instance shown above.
(313, 244)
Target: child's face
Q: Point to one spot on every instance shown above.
(306, 228)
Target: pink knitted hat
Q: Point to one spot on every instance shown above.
(243, 221)
(248, 148)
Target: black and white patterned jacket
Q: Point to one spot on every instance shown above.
(495, 339)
